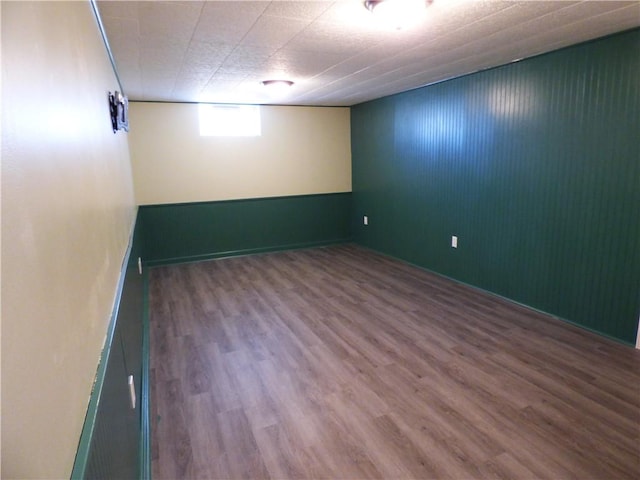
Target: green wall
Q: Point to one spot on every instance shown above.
(199, 231)
(535, 166)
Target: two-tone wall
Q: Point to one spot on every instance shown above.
(67, 215)
(534, 166)
(204, 197)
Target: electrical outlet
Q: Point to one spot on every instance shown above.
(365, 220)
(132, 391)
(454, 241)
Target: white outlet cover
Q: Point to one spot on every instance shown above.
(454, 241)
(365, 220)
(132, 391)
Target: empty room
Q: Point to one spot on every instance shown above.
(391, 239)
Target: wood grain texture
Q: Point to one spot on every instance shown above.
(342, 363)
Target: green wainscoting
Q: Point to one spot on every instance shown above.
(115, 437)
(200, 231)
(535, 166)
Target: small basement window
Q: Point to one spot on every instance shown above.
(229, 120)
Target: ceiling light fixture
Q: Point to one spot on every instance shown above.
(277, 86)
(397, 14)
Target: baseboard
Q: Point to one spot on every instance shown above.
(145, 401)
(502, 297)
(249, 251)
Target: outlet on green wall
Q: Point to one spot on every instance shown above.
(535, 166)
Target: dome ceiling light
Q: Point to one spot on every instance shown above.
(398, 14)
(277, 87)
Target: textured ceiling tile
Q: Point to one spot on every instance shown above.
(244, 59)
(611, 5)
(517, 14)
(220, 81)
(445, 18)
(220, 91)
(354, 65)
(334, 50)
(157, 85)
(424, 55)
(576, 26)
(205, 56)
(188, 89)
(485, 26)
(609, 22)
(169, 20)
(324, 37)
(169, 44)
(273, 32)
(228, 22)
(123, 29)
(300, 65)
(160, 57)
(300, 10)
(550, 21)
(192, 81)
(118, 9)
(321, 88)
(198, 50)
(126, 57)
(444, 29)
(460, 49)
(133, 86)
(347, 13)
(586, 9)
(557, 39)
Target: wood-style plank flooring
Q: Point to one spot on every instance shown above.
(340, 363)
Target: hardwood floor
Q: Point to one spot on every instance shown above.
(341, 363)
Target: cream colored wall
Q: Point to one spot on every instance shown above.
(67, 212)
(302, 150)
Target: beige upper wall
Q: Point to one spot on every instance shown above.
(302, 150)
(67, 212)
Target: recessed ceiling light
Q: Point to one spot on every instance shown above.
(397, 14)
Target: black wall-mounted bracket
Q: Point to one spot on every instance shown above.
(119, 108)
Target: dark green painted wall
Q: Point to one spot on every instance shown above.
(535, 166)
(197, 231)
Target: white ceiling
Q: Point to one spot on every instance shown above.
(334, 51)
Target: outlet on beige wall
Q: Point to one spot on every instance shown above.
(302, 150)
